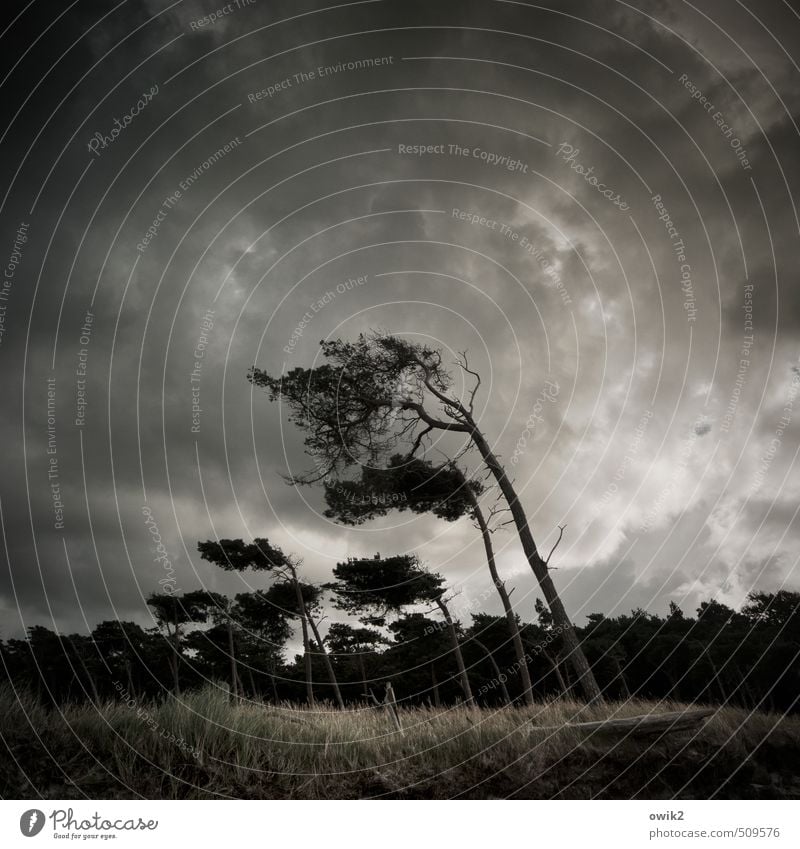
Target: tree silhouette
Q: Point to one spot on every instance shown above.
(749, 658)
(123, 647)
(378, 587)
(411, 483)
(289, 594)
(221, 611)
(170, 611)
(381, 391)
(344, 640)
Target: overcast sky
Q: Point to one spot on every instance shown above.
(605, 203)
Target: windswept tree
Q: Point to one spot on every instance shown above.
(170, 612)
(288, 594)
(266, 626)
(411, 483)
(490, 635)
(548, 642)
(123, 647)
(218, 609)
(380, 391)
(377, 587)
(345, 641)
(420, 643)
(300, 600)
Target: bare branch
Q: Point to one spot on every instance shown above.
(465, 366)
(450, 404)
(372, 696)
(560, 534)
(501, 525)
(418, 441)
(496, 510)
(432, 422)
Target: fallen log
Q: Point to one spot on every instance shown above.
(644, 724)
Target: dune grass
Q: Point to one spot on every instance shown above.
(203, 746)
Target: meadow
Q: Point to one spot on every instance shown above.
(206, 747)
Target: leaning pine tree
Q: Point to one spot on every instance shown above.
(411, 483)
(379, 586)
(296, 597)
(380, 391)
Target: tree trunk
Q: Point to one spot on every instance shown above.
(272, 681)
(462, 670)
(717, 678)
(648, 725)
(176, 684)
(561, 620)
(391, 701)
(621, 676)
(328, 665)
(301, 606)
(747, 697)
(235, 687)
(437, 702)
(557, 672)
(176, 680)
(513, 627)
(176, 645)
(498, 674)
(674, 691)
(129, 676)
(363, 671)
(567, 676)
(89, 676)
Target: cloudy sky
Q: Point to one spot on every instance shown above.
(597, 197)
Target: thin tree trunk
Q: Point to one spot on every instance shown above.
(575, 653)
(498, 674)
(301, 606)
(363, 671)
(511, 619)
(437, 702)
(272, 681)
(674, 691)
(557, 672)
(89, 676)
(389, 704)
(391, 701)
(621, 676)
(129, 676)
(176, 680)
(235, 688)
(462, 670)
(176, 643)
(92, 684)
(716, 677)
(747, 697)
(328, 665)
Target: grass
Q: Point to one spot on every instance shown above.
(203, 747)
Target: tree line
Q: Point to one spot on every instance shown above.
(389, 428)
(749, 658)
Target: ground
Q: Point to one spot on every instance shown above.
(206, 747)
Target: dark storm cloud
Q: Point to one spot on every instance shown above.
(603, 78)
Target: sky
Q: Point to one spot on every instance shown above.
(597, 201)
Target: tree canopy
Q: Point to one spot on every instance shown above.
(376, 587)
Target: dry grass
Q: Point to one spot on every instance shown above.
(203, 747)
